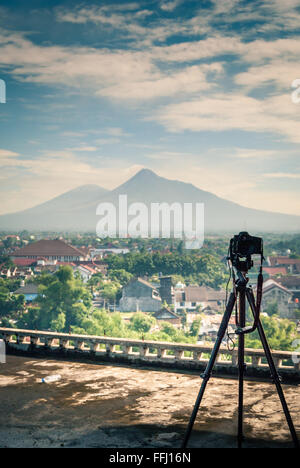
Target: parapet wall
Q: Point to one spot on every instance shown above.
(145, 353)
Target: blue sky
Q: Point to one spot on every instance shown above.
(196, 91)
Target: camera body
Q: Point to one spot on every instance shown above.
(242, 246)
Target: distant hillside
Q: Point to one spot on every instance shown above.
(76, 210)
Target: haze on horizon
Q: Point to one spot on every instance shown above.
(196, 93)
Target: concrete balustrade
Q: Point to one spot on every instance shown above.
(154, 353)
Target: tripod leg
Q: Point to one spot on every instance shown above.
(241, 365)
(206, 375)
(273, 370)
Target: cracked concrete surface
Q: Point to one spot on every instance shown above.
(117, 407)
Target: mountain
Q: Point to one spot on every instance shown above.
(76, 210)
(55, 214)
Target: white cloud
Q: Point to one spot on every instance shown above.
(187, 81)
(170, 5)
(279, 72)
(225, 112)
(6, 154)
(87, 149)
(282, 175)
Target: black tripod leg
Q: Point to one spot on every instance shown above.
(241, 365)
(273, 370)
(206, 375)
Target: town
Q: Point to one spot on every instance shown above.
(137, 288)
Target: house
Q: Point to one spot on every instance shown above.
(292, 283)
(30, 291)
(50, 250)
(140, 295)
(274, 292)
(24, 262)
(193, 297)
(8, 272)
(275, 271)
(85, 271)
(210, 326)
(104, 252)
(291, 264)
(166, 315)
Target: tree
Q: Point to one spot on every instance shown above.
(95, 282)
(121, 276)
(11, 307)
(142, 323)
(194, 330)
(63, 301)
(280, 334)
(110, 291)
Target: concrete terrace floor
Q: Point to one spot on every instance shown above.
(118, 407)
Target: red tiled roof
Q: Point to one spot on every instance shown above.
(45, 247)
(24, 261)
(275, 270)
(284, 261)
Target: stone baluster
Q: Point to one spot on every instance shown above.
(21, 339)
(179, 354)
(127, 349)
(64, 343)
(95, 347)
(49, 342)
(161, 353)
(35, 340)
(143, 350)
(110, 348)
(197, 355)
(256, 361)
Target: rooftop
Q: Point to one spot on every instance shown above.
(48, 247)
(203, 294)
(29, 288)
(119, 407)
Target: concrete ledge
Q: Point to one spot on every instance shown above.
(144, 353)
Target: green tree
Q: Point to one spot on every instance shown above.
(142, 323)
(194, 330)
(11, 307)
(120, 276)
(280, 334)
(63, 301)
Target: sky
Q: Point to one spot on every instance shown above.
(198, 91)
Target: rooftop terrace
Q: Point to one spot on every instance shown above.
(95, 405)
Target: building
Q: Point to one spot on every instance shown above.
(30, 291)
(50, 250)
(274, 292)
(292, 265)
(210, 326)
(193, 297)
(292, 283)
(166, 289)
(85, 271)
(140, 295)
(274, 271)
(104, 252)
(166, 315)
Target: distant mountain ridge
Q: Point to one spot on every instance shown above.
(76, 210)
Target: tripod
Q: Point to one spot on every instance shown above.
(241, 293)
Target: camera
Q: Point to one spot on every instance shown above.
(243, 246)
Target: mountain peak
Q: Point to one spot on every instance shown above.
(145, 173)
